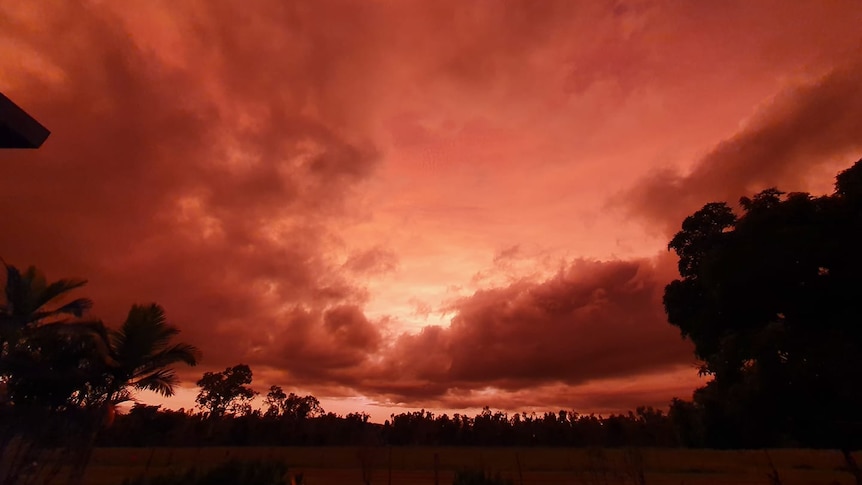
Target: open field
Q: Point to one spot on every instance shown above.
(527, 466)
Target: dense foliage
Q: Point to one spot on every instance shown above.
(147, 426)
(226, 392)
(61, 374)
(771, 300)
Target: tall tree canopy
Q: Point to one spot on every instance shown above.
(226, 391)
(770, 298)
(291, 406)
(48, 354)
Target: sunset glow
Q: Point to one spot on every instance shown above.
(395, 205)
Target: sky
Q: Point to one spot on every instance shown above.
(395, 205)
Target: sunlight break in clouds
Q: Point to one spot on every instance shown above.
(414, 203)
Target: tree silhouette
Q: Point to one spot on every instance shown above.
(61, 375)
(141, 357)
(274, 401)
(34, 329)
(52, 366)
(291, 406)
(31, 300)
(143, 353)
(770, 300)
(226, 392)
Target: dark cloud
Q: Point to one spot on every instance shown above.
(203, 155)
(171, 184)
(603, 397)
(199, 159)
(802, 131)
(373, 261)
(327, 352)
(592, 321)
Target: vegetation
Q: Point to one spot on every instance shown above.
(770, 299)
(147, 426)
(226, 392)
(400, 465)
(61, 375)
(768, 296)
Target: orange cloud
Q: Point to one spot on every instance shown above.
(592, 321)
(306, 187)
(808, 130)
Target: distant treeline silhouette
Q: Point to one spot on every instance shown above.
(147, 426)
(226, 418)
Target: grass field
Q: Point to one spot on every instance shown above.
(527, 466)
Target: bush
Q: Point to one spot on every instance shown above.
(234, 472)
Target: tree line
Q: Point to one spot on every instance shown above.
(149, 426)
(225, 417)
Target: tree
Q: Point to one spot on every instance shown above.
(274, 401)
(31, 301)
(770, 300)
(226, 392)
(39, 344)
(141, 356)
(62, 376)
(143, 353)
(291, 406)
(52, 364)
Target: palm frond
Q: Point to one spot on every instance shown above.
(181, 352)
(144, 332)
(76, 308)
(28, 294)
(177, 353)
(58, 288)
(121, 396)
(142, 347)
(161, 381)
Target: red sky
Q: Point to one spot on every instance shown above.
(404, 204)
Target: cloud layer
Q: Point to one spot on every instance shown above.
(590, 322)
(808, 130)
(415, 202)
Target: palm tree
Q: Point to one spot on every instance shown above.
(47, 360)
(29, 298)
(143, 353)
(141, 358)
(37, 337)
(58, 365)
(138, 355)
